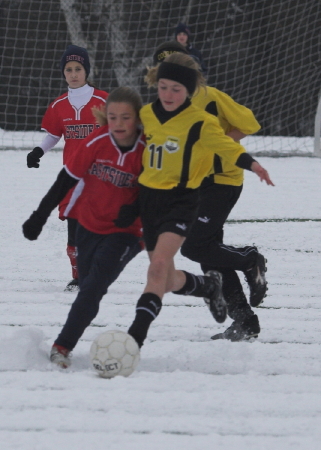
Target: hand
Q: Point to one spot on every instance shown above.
(33, 158)
(33, 226)
(127, 215)
(262, 173)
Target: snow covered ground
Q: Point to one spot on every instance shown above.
(188, 392)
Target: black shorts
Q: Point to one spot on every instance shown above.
(173, 210)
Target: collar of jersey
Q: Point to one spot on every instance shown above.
(80, 91)
(81, 96)
(164, 116)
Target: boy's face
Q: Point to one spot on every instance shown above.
(182, 38)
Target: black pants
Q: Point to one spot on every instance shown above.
(100, 260)
(204, 245)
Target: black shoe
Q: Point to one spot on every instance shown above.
(241, 331)
(213, 295)
(72, 286)
(255, 278)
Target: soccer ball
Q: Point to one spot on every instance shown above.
(114, 353)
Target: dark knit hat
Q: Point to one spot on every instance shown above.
(75, 53)
(182, 74)
(182, 28)
(166, 49)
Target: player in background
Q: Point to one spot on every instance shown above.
(70, 116)
(219, 193)
(181, 140)
(108, 163)
(183, 36)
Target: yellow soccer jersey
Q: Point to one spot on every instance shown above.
(231, 115)
(180, 151)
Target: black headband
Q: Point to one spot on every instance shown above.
(182, 74)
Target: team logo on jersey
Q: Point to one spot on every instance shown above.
(171, 145)
(115, 176)
(79, 131)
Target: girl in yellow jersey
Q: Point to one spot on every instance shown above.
(181, 142)
(219, 194)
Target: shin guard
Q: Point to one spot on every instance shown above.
(147, 309)
(72, 253)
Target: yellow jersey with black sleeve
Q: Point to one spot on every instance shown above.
(230, 115)
(180, 148)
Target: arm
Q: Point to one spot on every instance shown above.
(48, 142)
(33, 226)
(53, 126)
(236, 134)
(233, 115)
(232, 151)
(261, 172)
(33, 158)
(245, 161)
(254, 166)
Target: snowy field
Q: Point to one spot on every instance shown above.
(188, 392)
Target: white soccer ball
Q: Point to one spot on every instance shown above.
(114, 353)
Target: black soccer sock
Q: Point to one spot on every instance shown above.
(147, 309)
(194, 285)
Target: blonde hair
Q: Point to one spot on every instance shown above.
(121, 94)
(176, 58)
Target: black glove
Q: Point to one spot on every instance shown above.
(33, 226)
(127, 215)
(33, 158)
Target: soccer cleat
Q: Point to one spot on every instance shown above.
(213, 295)
(72, 286)
(255, 278)
(243, 331)
(60, 356)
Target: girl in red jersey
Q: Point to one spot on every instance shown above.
(108, 163)
(70, 116)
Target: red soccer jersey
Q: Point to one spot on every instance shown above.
(108, 180)
(63, 119)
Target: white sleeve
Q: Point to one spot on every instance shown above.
(48, 142)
